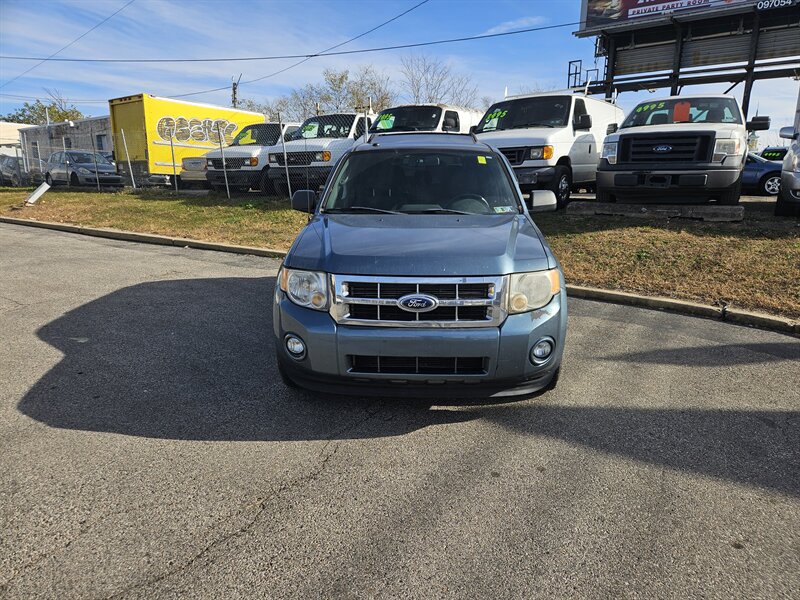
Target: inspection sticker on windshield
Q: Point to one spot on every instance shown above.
(481, 160)
(503, 209)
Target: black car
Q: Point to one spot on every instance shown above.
(12, 171)
(774, 153)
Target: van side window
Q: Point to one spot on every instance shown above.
(451, 122)
(360, 128)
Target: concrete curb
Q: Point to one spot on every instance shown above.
(732, 315)
(146, 238)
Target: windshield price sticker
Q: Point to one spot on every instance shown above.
(385, 121)
(497, 114)
(503, 209)
(648, 107)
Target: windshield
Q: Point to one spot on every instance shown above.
(422, 181)
(539, 111)
(83, 158)
(263, 134)
(408, 118)
(684, 110)
(326, 126)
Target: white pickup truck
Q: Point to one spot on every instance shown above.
(677, 148)
(552, 140)
(313, 150)
(246, 159)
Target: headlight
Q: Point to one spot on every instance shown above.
(725, 148)
(322, 156)
(610, 152)
(541, 153)
(273, 158)
(84, 171)
(529, 291)
(305, 288)
(253, 162)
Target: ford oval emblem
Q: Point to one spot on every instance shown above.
(418, 303)
(662, 149)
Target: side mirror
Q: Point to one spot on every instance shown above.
(543, 201)
(788, 133)
(304, 201)
(612, 128)
(473, 129)
(583, 122)
(758, 124)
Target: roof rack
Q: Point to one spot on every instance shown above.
(374, 134)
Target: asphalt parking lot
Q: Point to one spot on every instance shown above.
(149, 450)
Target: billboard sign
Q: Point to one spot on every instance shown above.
(598, 14)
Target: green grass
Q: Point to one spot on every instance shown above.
(753, 265)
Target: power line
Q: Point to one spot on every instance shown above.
(307, 58)
(44, 60)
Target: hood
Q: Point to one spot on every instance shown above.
(720, 130)
(507, 138)
(236, 152)
(423, 245)
(318, 144)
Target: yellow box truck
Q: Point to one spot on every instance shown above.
(155, 134)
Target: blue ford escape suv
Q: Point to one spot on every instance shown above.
(420, 273)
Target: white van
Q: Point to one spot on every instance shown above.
(553, 140)
(426, 117)
(246, 159)
(313, 150)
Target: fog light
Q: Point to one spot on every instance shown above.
(541, 351)
(295, 346)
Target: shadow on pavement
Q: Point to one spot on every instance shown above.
(714, 356)
(193, 360)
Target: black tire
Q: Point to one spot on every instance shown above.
(770, 184)
(73, 180)
(784, 208)
(731, 196)
(604, 196)
(49, 180)
(281, 189)
(561, 185)
(265, 184)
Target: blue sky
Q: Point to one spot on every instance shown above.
(215, 28)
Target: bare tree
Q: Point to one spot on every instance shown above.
(272, 108)
(427, 79)
(369, 85)
(485, 102)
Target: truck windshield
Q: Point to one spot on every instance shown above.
(539, 111)
(408, 118)
(684, 110)
(422, 181)
(85, 158)
(263, 134)
(326, 126)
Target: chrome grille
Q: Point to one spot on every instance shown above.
(419, 365)
(683, 148)
(373, 301)
(516, 156)
(295, 158)
(230, 163)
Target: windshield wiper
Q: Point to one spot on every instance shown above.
(437, 211)
(533, 125)
(361, 209)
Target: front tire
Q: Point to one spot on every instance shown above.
(73, 180)
(266, 186)
(770, 184)
(784, 208)
(731, 196)
(561, 185)
(49, 180)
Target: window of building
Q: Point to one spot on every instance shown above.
(35, 149)
(67, 142)
(102, 141)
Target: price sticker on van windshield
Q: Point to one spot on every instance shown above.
(648, 107)
(385, 121)
(496, 114)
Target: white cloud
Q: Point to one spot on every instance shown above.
(515, 24)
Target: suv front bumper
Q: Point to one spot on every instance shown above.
(508, 371)
(646, 179)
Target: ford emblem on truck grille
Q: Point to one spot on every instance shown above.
(662, 149)
(418, 303)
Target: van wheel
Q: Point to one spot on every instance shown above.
(561, 185)
(265, 185)
(281, 189)
(770, 185)
(731, 195)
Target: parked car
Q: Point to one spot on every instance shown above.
(788, 203)
(680, 147)
(314, 148)
(774, 153)
(36, 170)
(426, 117)
(247, 158)
(194, 172)
(761, 176)
(12, 171)
(552, 140)
(420, 273)
(80, 167)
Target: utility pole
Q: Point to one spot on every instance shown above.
(235, 91)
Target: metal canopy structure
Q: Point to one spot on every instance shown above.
(740, 42)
